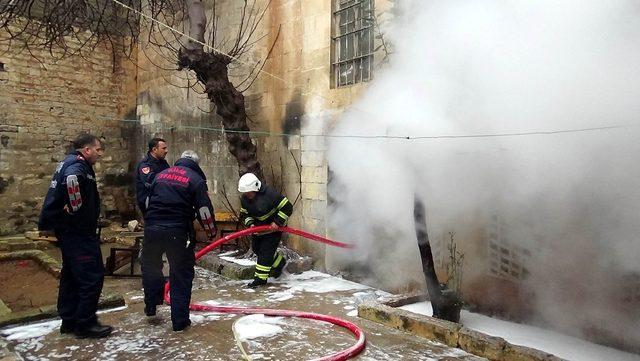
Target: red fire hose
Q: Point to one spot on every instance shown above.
(353, 328)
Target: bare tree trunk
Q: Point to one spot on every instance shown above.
(211, 68)
(445, 304)
(197, 24)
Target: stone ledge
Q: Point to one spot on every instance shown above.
(107, 300)
(481, 344)
(240, 272)
(47, 262)
(523, 353)
(403, 299)
(225, 268)
(51, 265)
(451, 334)
(4, 310)
(21, 244)
(428, 327)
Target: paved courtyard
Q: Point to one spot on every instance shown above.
(212, 335)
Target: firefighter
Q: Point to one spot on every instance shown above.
(263, 205)
(71, 210)
(152, 164)
(177, 196)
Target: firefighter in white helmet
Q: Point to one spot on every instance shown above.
(263, 205)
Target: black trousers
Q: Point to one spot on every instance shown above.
(265, 246)
(81, 278)
(173, 242)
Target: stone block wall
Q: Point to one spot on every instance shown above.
(294, 95)
(44, 104)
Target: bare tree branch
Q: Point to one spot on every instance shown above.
(299, 169)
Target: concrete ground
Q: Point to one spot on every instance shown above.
(211, 336)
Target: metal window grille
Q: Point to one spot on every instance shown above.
(353, 38)
(439, 250)
(506, 260)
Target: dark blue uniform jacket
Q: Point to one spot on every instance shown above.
(176, 195)
(75, 209)
(146, 171)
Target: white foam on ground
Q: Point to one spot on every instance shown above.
(382, 293)
(60, 355)
(202, 317)
(567, 347)
(228, 253)
(31, 331)
(240, 261)
(225, 302)
(326, 285)
(280, 296)
(213, 303)
(318, 282)
(302, 276)
(256, 326)
(119, 344)
(40, 329)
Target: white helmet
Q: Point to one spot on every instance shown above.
(249, 183)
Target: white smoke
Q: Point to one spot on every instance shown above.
(489, 67)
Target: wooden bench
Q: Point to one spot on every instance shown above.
(121, 256)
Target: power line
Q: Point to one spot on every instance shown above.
(263, 133)
(151, 18)
(402, 137)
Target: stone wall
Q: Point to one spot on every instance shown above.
(43, 105)
(295, 97)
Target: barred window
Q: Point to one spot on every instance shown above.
(353, 46)
(506, 260)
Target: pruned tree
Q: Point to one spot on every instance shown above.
(444, 301)
(177, 37)
(211, 67)
(74, 27)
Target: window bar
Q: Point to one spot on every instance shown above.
(347, 7)
(357, 57)
(356, 45)
(350, 32)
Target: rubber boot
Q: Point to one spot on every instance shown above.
(94, 330)
(67, 327)
(257, 282)
(277, 271)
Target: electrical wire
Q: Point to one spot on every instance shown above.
(404, 137)
(151, 18)
(354, 136)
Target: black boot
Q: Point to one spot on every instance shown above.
(93, 330)
(67, 326)
(150, 310)
(277, 271)
(182, 326)
(256, 283)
